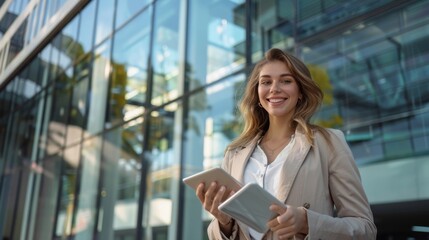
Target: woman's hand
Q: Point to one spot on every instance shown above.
(212, 198)
(291, 221)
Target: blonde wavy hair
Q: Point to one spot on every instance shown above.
(256, 120)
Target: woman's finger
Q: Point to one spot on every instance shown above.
(278, 209)
(200, 192)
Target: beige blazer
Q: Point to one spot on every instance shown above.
(320, 177)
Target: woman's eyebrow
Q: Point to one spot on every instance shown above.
(281, 75)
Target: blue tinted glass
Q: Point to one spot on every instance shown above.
(165, 52)
(216, 40)
(125, 9)
(104, 23)
(130, 68)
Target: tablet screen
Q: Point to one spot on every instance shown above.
(251, 205)
(215, 174)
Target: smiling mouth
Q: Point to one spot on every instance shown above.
(276, 100)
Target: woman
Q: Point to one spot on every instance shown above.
(310, 168)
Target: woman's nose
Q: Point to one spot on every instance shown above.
(274, 87)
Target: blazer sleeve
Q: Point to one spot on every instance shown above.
(213, 230)
(354, 218)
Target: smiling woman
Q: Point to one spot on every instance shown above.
(310, 169)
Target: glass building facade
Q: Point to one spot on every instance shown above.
(105, 105)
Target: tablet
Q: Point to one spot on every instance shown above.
(251, 206)
(214, 174)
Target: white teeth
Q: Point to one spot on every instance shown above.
(275, 100)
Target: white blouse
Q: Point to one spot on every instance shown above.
(266, 175)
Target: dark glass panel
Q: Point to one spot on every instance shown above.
(374, 73)
(16, 43)
(34, 78)
(316, 16)
(10, 181)
(366, 143)
(396, 137)
(45, 123)
(46, 206)
(272, 25)
(22, 169)
(57, 126)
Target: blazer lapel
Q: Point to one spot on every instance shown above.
(292, 164)
(290, 168)
(240, 159)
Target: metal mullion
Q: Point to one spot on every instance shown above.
(146, 132)
(184, 84)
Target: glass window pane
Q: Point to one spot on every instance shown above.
(420, 132)
(48, 196)
(47, 12)
(58, 121)
(16, 44)
(31, 81)
(121, 175)
(37, 11)
(162, 156)
(165, 52)
(99, 89)
(20, 80)
(396, 136)
(129, 76)
(216, 43)
(69, 180)
(366, 143)
(86, 29)
(211, 125)
(69, 47)
(8, 194)
(23, 138)
(415, 68)
(104, 27)
(127, 9)
(45, 125)
(373, 72)
(65, 69)
(88, 191)
(77, 111)
(55, 58)
(316, 16)
(272, 26)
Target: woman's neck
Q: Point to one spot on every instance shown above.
(279, 130)
(278, 133)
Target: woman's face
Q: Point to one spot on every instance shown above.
(277, 89)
